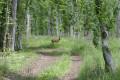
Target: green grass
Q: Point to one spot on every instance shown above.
(13, 62)
(93, 62)
(92, 67)
(59, 68)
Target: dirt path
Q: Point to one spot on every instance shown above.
(39, 65)
(36, 67)
(73, 73)
(44, 61)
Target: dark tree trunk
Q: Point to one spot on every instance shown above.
(48, 22)
(6, 41)
(61, 33)
(118, 23)
(74, 33)
(18, 42)
(68, 31)
(78, 33)
(86, 32)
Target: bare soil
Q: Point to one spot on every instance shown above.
(35, 67)
(73, 73)
(39, 65)
(44, 61)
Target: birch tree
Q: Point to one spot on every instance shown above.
(12, 28)
(101, 9)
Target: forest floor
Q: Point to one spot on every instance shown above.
(45, 60)
(73, 73)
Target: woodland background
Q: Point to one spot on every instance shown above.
(85, 24)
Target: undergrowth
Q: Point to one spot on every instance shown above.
(13, 62)
(92, 67)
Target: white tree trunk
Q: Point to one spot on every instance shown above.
(28, 24)
(52, 22)
(57, 26)
(71, 31)
(109, 64)
(12, 30)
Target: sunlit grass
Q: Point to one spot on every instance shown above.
(92, 67)
(93, 62)
(15, 62)
(59, 68)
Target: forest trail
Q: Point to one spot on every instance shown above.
(37, 66)
(73, 73)
(43, 62)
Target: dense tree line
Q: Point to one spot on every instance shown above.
(59, 18)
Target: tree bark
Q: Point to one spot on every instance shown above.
(57, 26)
(52, 22)
(6, 41)
(19, 43)
(79, 29)
(61, 33)
(118, 23)
(48, 22)
(109, 64)
(68, 31)
(78, 34)
(28, 23)
(86, 32)
(71, 31)
(74, 33)
(12, 29)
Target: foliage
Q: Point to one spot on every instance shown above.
(76, 13)
(2, 20)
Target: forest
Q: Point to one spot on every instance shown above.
(59, 40)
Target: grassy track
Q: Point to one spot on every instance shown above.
(92, 66)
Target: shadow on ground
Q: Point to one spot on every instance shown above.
(48, 46)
